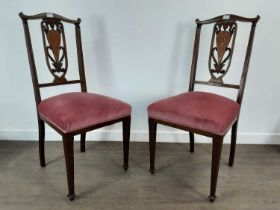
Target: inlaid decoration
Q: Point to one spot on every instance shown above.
(221, 50)
(55, 48)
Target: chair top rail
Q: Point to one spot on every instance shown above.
(48, 15)
(229, 17)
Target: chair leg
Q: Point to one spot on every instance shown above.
(41, 125)
(152, 143)
(83, 142)
(68, 144)
(216, 156)
(191, 142)
(126, 137)
(233, 143)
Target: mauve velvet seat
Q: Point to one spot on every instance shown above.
(71, 112)
(197, 110)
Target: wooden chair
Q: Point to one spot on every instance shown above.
(72, 113)
(204, 113)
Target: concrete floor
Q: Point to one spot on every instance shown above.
(181, 181)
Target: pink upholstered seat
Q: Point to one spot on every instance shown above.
(74, 111)
(198, 110)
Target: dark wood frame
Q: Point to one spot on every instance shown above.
(68, 139)
(217, 140)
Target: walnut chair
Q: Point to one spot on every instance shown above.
(205, 113)
(72, 113)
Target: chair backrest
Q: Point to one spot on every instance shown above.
(221, 50)
(55, 50)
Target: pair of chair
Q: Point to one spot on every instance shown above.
(76, 113)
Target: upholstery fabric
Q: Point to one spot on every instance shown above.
(198, 110)
(70, 112)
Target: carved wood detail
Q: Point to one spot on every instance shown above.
(221, 50)
(55, 48)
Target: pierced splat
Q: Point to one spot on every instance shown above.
(221, 50)
(55, 48)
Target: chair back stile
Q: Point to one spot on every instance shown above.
(54, 43)
(221, 51)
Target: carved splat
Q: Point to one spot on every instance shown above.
(55, 48)
(221, 50)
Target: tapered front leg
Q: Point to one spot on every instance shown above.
(126, 137)
(233, 143)
(216, 156)
(68, 144)
(41, 125)
(83, 142)
(152, 143)
(191, 142)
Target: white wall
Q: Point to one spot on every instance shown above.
(140, 51)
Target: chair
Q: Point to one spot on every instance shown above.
(204, 113)
(72, 113)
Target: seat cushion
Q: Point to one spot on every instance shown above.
(198, 110)
(71, 112)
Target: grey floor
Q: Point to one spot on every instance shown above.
(181, 181)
